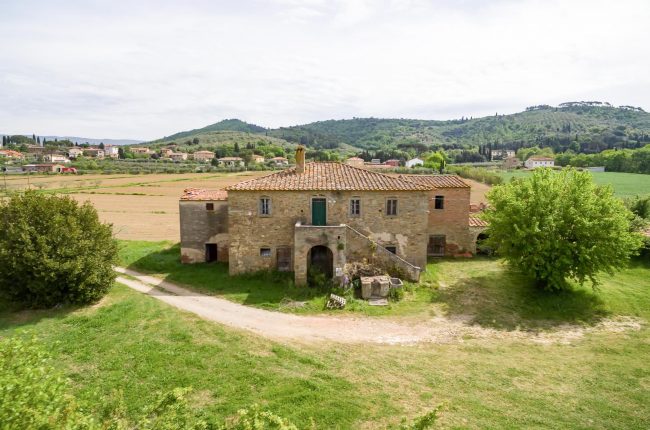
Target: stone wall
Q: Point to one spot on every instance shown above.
(200, 226)
(453, 220)
(249, 232)
(308, 236)
(360, 247)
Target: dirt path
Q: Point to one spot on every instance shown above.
(281, 326)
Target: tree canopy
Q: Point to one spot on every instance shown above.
(560, 226)
(54, 250)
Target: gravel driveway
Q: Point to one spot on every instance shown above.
(346, 329)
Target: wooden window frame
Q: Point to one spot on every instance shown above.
(352, 207)
(395, 209)
(260, 207)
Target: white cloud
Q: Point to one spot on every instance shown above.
(147, 69)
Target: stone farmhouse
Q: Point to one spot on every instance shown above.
(326, 215)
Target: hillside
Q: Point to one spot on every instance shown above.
(225, 125)
(594, 128)
(587, 127)
(224, 142)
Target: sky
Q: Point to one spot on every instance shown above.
(145, 69)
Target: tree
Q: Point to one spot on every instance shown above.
(195, 141)
(435, 161)
(54, 250)
(560, 226)
(101, 145)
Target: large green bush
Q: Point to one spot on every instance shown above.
(556, 226)
(53, 251)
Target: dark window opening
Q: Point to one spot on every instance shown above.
(392, 249)
(439, 202)
(209, 206)
(210, 252)
(265, 252)
(391, 207)
(436, 246)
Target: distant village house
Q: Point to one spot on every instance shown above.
(413, 162)
(535, 162)
(203, 156)
(231, 162)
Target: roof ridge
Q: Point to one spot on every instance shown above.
(340, 175)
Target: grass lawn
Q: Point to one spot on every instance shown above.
(625, 184)
(600, 379)
(273, 291)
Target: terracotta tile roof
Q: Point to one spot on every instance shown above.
(11, 153)
(438, 181)
(541, 159)
(200, 194)
(328, 176)
(230, 159)
(475, 221)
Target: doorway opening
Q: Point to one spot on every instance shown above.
(210, 252)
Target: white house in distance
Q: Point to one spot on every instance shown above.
(112, 151)
(231, 161)
(75, 152)
(414, 162)
(535, 162)
(55, 158)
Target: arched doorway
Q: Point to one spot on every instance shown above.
(481, 246)
(321, 258)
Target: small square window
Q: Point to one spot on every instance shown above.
(265, 206)
(392, 249)
(265, 252)
(209, 206)
(391, 207)
(355, 207)
(439, 202)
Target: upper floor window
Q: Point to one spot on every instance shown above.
(391, 248)
(391, 207)
(355, 206)
(209, 206)
(265, 206)
(439, 202)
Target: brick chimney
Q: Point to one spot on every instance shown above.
(300, 159)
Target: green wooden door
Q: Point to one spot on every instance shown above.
(318, 212)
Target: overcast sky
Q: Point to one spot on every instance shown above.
(145, 69)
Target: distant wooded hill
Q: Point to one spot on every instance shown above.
(586, 127)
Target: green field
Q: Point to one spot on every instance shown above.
(624, 184)
(513, 375)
